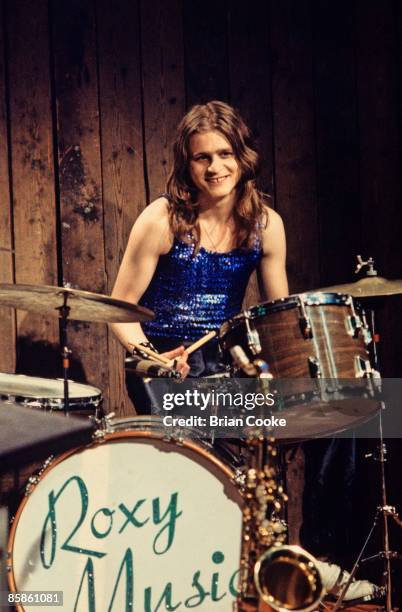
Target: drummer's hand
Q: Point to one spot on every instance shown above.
(179, 358)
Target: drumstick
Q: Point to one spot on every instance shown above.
(155, 356)
(196, 345)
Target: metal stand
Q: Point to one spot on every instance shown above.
(65, 353)
(384, 510)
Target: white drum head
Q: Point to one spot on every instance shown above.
(132, 523)
(48, 393)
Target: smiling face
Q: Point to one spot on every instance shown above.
(213, 166)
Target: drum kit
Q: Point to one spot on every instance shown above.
(136, 519)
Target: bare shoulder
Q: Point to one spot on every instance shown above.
(273, 231)
(152, 227)
(155, 213)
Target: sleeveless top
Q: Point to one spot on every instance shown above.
(192, 295)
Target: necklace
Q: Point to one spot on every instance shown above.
(220, 238)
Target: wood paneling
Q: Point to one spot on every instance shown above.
(80, 183)
(336, 139)
(250, 78)
(378, 72)
(294, 145)
(7, 315)
(163, 79)
(206, 60)
(380, 170)
(122, 153)
(32, 163)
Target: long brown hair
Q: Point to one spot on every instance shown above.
(250, 208)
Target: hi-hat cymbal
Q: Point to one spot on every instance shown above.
(82, 305)
(368, 287)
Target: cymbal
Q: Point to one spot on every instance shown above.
(370, 286)
(83, 305)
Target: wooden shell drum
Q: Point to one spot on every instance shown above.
(132, 521)
(317, 345)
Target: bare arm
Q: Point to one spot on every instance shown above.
(149, 238)
(272, 272)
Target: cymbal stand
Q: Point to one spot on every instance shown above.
(384, 510)
(64, 311)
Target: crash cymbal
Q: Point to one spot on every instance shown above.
(81, 305)
(368, 287)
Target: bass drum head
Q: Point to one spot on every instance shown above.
(132, 522)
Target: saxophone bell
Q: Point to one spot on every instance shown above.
(287, 578)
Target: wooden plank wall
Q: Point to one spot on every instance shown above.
(90, 93)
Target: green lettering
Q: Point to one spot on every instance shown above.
(105, 512)
(130, 515)
(196, 600)
(127, 563)
(51, 520)
(89, 573)
(217, 557)
(166, 598)
(170, 526)
(234, 590)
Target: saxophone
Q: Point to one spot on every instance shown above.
(272, 575)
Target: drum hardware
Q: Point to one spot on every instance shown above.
(368, 338)
(369, 263)
(314, 366)
(256, 368)
(253, 338)
(384, 510)
(283, 577)
(353, 321)
(371, 286)
(363, 368)
(304, 320)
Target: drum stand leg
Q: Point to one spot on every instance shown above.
(65, 353)
(384, 510)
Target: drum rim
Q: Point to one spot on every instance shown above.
(320, 298)
(23, 397)
(104, 437)
(72, 383)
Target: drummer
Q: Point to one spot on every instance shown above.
(191, 252)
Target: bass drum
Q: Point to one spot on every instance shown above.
(131, 522)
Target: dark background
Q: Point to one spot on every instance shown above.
(90, 93)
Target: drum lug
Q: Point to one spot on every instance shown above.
(253, 337)
(367, 337)
(353, 325)
(304, 320)
(363, 368)
(314, 367)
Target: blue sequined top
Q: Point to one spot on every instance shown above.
(194, 295)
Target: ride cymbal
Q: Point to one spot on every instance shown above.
(80, 305)
(368, 287)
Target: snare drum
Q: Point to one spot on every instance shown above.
(132, 521)
(307, 337)
(48, 394)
